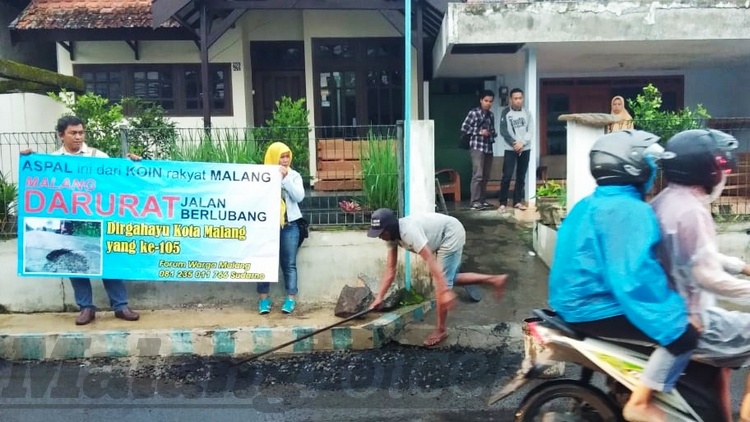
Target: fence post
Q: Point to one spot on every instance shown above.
(401, 193)
(400, 165)
(124, 140)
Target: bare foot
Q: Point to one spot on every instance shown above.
(435, 338)
(498, 282)
(643, 413)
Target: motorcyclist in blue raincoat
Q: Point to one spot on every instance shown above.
(606, 280)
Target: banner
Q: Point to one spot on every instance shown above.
(148, 220)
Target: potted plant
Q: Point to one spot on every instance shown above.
(550, 203)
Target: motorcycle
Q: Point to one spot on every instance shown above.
(620, 361)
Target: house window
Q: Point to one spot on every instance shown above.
(177, 88)
(358, 82)
(104, 83)
(277, 55)
(154, 86)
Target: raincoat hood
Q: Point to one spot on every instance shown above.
(274, 153)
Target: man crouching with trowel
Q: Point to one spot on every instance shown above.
(425, 235)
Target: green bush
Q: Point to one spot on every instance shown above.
(151, 134)
(649, 116)
(291, 126)
(101, 119)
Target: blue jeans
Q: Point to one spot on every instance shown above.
(288, 246)
(663, 369)
(118, 296)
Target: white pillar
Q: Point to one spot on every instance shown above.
(532, 100)
(583, 131)
(422, 161)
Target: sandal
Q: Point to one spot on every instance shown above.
(435, 338)
(520, 206)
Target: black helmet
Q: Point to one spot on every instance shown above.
(698, 157)
(620, 158)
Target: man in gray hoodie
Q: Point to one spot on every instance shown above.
(517, 130)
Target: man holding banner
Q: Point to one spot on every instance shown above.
(72, 134)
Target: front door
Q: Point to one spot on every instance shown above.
(270, 86)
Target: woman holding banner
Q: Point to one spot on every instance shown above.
(292, 193)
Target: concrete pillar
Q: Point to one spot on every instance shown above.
(422, 161)
(583, 131)
(531, 98)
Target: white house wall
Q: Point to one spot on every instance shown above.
(228, 49)
(574, 21)
(234, 46)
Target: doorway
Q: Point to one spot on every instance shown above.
(278, 70)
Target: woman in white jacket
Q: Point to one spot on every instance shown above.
(292, 193)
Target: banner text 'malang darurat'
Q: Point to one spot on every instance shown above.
(148, 220)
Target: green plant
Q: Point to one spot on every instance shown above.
(150, 133)
(100, 117)
(8, 203)
(410, 297)
(290, 125)
(379, 173)
(551, 189)
(649, 116)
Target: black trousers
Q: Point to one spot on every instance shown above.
(519, 162)
(621, 327)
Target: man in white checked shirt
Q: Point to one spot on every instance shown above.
(72, 134)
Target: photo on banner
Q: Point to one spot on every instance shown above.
(148, 220)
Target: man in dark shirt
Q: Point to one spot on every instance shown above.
(479, 125)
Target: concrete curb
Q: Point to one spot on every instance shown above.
(205, 342)
(506, 336)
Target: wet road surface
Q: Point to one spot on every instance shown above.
(390, 384)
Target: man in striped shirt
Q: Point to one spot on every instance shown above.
(479, 125)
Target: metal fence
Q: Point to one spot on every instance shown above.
(734, 203)
(353, 171)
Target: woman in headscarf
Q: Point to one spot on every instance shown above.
(292, 193)
(618, 109)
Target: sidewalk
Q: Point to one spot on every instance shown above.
(201, 332)
(495, 244)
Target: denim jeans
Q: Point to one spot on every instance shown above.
(288, 246)
(118, 296)
(663, 369)
(450, 261)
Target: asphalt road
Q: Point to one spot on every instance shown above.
(391, 384)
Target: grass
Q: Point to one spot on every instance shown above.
(237, 146)
(380, 174)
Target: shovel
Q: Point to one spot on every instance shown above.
(281, 346)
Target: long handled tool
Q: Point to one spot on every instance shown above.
(281, 346)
